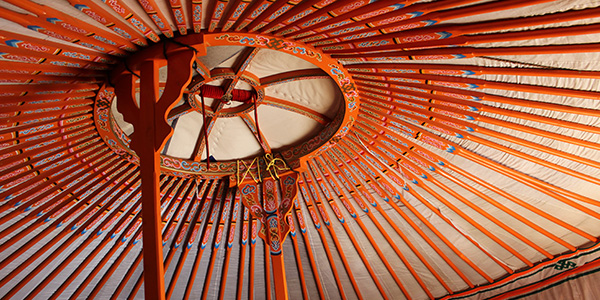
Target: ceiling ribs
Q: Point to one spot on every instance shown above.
(284, 77)
(239, 67)
(296, 108)
(260, 138)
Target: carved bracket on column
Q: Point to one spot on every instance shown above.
(179, 59)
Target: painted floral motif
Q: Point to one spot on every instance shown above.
(300, 15)
(146, 5)
(279, 12)
(259, 10)
(271, 43)
(219, 10)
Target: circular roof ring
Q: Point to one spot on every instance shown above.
(306, 66)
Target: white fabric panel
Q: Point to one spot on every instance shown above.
(291, 269)
(517, 189)
(309, 278)
(530, 10)
(126, 127)
(316, 94)
(283, 127)
(365, 282)
(187, 129)
(328, 283)
(269, 62)
(230, 138)
(229, 62)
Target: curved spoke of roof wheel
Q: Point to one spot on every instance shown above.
(292, 75)
(280, 103)
(250, 122)
(303, 149)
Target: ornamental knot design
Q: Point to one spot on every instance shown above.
(564, 265)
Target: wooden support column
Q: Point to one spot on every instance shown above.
(149, 136)
(154, 286)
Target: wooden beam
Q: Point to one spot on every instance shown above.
(150, 170)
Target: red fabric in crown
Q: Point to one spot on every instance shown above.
(217, 92)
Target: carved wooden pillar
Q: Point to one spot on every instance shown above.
(151, 131)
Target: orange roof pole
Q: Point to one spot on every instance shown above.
(416, 39)
(443, 120)
(196, 204)
(254, 234)
(357, 155)
(392, 163)
(508, 196)
(293, 238)
(563, 191)
(170, 195)
(41, 188)
(316, 198)
(358, 14)
(116, 24)
(14, 289)
(456, 69)
(457, 95)
(396, 20)
(227, 199)
(345, 164)
(322, 164)
(191, 206)
(107, 222)
(385, 104)
(362, 197)
(313, 213)
(528, 182)
(212, 204)
(301, 220)
(320, 184)
(242, 258)
(233, 219)
(267, 264)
